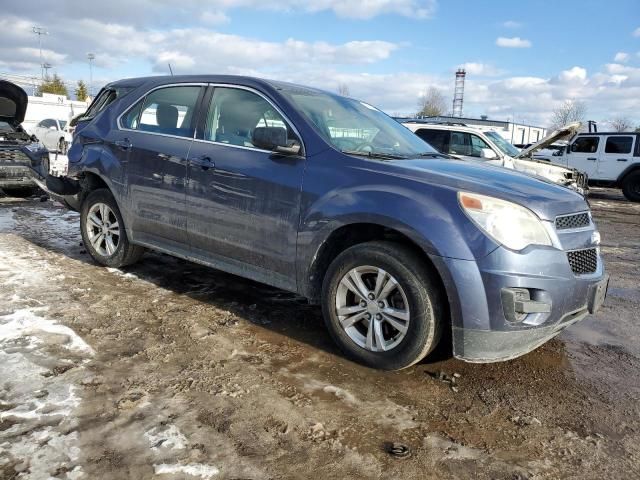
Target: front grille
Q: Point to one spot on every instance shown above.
(583, 261)
(13, 157)
(578, 220)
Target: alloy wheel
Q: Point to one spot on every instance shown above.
(372, 308)
(103, 229)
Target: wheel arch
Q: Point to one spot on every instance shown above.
(634, 167)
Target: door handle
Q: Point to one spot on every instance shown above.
(592, 159)
(204, 162)
(124, 144)
(622, 159)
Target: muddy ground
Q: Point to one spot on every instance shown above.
(170, 370)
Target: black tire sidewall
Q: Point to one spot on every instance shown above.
(422, 295)
(118, 258)
(633, 179)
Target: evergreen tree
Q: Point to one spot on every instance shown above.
(53, 85)
(81, 91)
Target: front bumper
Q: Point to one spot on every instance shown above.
(15, 176)
(481, 329)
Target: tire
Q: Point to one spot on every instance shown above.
(417, 297)
(112, 248)
(631, 186)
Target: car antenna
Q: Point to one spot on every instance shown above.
(171, 71)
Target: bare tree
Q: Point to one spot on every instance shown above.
(343, 89)
(570, 111)
(431, 103)
(620, 124)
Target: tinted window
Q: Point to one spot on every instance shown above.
(105, 97)
(585, 145)
(618, 145)
(48, 123)
(438, 139)
(169, 110)
(235, 113)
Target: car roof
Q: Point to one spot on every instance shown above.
(441, 126)
(626, 134)
(159, 80)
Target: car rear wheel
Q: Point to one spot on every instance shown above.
(103, 231)
(631, 186)
(383, 305)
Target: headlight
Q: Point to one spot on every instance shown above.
(34, 147)
(507, 223)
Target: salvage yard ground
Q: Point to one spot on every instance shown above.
(170, 370)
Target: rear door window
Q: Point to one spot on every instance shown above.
(169, 110)
(438, 139)
(618, 144)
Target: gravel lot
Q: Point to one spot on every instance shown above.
(170, 370)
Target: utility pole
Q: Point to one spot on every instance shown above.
(40, 31)
(46, 67)
(91, 58)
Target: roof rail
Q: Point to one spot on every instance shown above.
(427, 121)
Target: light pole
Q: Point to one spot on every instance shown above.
(91, 58)
(40, 31)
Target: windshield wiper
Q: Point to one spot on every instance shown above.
(430, 154)
(385, 156)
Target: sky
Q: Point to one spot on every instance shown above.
(523, 58)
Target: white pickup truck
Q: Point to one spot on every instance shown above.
(610, 159)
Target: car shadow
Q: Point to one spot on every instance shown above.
(267, 307)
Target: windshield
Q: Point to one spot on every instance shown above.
(502, 144)
(357, 128)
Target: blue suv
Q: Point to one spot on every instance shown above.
(329, 197)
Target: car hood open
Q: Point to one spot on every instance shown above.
(570, 129)
(13, 103)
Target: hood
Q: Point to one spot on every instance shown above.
(546, 199)
(13, 103)
(571, 129)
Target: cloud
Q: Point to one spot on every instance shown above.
(214, 17)
(481, 69)
(621, 57)
(515, 42)
(511, 24)
(636, 32)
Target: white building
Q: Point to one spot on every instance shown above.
(48, 105)
(51, 106)
(515, 133)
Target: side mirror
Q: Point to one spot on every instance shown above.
(488, 154)
(274, 139)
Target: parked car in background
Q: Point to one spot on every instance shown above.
(487, 146)
(54, 134)
(328, 197)
(19, 151)
(610, 159)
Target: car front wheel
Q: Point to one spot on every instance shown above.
(383, 305)
(103, 231)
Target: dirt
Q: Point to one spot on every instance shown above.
(171, 370)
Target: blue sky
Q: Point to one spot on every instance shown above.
(523, 58)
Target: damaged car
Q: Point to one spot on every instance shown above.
(328, 197)
(20, 152)
(487, 146)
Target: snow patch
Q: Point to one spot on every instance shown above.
(120, 273)
(195, 469)
(169, 437)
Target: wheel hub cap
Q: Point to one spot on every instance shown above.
(372, 308)
(103, 230)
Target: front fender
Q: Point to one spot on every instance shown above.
(432, 219)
